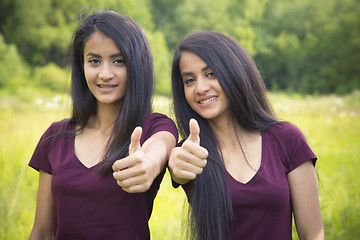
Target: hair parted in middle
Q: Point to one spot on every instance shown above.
(211, 213)
(131, 40)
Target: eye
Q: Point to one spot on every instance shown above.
(189, 81)
(119, 61)
(210, 75)
(94, 61)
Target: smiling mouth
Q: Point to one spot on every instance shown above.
(106, 86)
(207, 100)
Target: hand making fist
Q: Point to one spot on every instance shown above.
(188, 161)
(134, 173)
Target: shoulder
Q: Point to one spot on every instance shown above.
(57, 129)
(288, 137)
(283, 127)
(62, 124)
(156, 122)
(59, 126)
(285, 130)
(155, 116)
(40, 158)
(152, 118)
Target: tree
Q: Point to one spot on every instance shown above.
(202, 15)
(311, 46)
(162, 60)
(11, 64)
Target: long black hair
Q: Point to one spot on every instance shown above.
(132, 42)
(209, 196)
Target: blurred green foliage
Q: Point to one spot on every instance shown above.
(11, 64)
(300, 45)
(52, 77)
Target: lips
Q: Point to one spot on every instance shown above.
(107, 85)
(203, 101)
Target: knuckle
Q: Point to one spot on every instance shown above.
(187, 144)
(177, 172)
(116, 175)
(114, 166)
(193, 176)
(119, 183)
(203, 163)
(147, 186)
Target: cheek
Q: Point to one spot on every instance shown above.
(123, 81)
(226, 100)
(188, 95)
(86, 76)
(88, 73)
(124, 77)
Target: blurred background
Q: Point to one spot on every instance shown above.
(307, 51)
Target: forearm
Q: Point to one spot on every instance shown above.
(305, 202)
(41, 235)
(158, 148)
(43, 223)
(318, 236)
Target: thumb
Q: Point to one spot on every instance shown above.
(135, 140)
(194, 131)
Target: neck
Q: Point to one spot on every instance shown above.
(105, 118)
(229, 134)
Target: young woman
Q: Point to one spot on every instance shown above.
(244, 172)
(99, 172)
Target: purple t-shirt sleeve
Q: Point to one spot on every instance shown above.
(40, 158)
(157, 122)
(297, 149)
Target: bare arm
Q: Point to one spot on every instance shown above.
(137, 172)
(305, 201)
(43, 228)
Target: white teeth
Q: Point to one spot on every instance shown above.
(106, 86)
(207, 100)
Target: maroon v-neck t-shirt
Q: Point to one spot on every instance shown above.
(262, 206)
(89, 206)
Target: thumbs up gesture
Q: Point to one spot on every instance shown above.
(135, 141)
(188, 161)
(134, 173)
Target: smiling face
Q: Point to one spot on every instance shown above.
(105, 70)
(202, 89)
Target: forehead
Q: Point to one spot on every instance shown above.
(101, 44)
(189, 61)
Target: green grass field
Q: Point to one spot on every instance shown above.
(330, 123)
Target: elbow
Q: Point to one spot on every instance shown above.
(318, 235)
(41, 235)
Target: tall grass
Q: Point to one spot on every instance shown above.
(21, 126)
(330, 123)
(332, 127)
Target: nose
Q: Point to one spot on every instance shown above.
(202, 85)
(106, 72)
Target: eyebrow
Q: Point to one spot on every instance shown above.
(190, 73)
(99, 56)
(205, 68)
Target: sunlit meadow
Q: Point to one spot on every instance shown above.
(330, 123)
